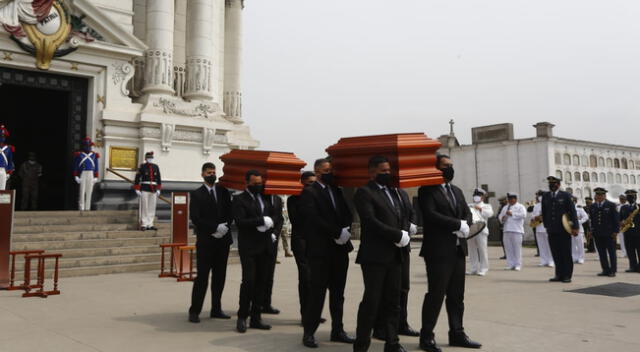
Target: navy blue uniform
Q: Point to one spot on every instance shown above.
(148, 178)
(553, 208)
(631, 236)
(605, 222)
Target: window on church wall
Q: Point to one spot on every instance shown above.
(616, 163)
(594, 177)
(625, 179)
(559, 174)
(623, 163)
(632, 179)
(587, 192)
(558, 159)
(609, 162)
(593, 161)
(567, 176)
(618, 178)
(567, 159)
(632, 165)
(576, 176)
(610, 177)
(576, 160)
(600, 162)
(603, 177)
(585, 176)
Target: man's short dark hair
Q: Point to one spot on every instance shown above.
(439, 157)
(305, 175)
(208, 165)
(250, 173)
(377, 160)
(319, 162)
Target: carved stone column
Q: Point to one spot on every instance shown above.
(233, 60)
(159, 57)
(198, 83)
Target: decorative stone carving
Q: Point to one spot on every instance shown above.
(150, 132)
(233, 106)
(122, 73)
(167, 136)
(187, 136)
(159, 68)
(208, 138)
(198, 78)
(178, 107)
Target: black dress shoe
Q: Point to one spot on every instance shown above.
(379, 334)
(603, 274)
(309, 341)
(630, 271)
(258, 324)
(462, 340)
(219, 315)
(394, 348)
(566, 281)
(503, 257)
(270, 310)
(194, 318)
(612, 275)
(341, 336)
(429, 345)
(241, 325)
(407, 331)
(152, 228)
(143, 228)
(554, 279)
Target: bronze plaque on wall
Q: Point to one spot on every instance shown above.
(123, 158)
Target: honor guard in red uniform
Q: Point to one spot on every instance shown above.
(85, 172)
(147, 186)
(6, 158)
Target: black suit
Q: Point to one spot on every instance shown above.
(553, 208)
(299, 248)
(206, 212)
(381, 219)
(255, 249)
(444, 255)
(605, 221)
(328, 261)
(278, 221)
(632, 236)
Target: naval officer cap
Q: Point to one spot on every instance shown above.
(631, 191)
(600, 190)
(512, 195)
(479, 191)
(553, 179)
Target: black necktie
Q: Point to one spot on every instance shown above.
(394, 198)
(213, 196)
(450, 195)
(329, 193)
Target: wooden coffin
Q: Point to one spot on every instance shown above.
(280, 170)
(412, 157)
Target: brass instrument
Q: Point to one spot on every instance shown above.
(628, 222)
(567, 224)
(535, 223)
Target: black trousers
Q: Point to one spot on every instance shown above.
(606, 246)
(632, 245)
(591, 244)
(381, 300)
(560, 244)
(271, 271)
(326, 273)
(29, 196)
(209, 258)
(504, 251)
(535, 238)
(446, 277)
(298, 246)
(254, 280)
(405, 278)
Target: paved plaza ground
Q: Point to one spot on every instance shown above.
(506, 310)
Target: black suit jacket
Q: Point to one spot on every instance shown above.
(206, 214)
(605, 220)
(322, 222)
(554, 209)
(381, 224)
(440, 220)
(248, 216)
(278, 218)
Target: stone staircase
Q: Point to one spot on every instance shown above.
(92, 243)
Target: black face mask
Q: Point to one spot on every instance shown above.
(631, 199)
(210, 179)
(448, 173)
(384, 179)
(255, 189)
(328, 178)
(553, 187)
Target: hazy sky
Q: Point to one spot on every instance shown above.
(318, 70)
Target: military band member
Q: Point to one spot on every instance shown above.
(478, 251)
(605, 225)
(591, 245)
(512, 217)
(254, 214)
(622, 201)
(546, 259)
(210, 213)
(30, 173)
(85, 172)
(555, 204)
(383, 239)
(147, 185)
(327, 221)
(278, 219)
(632, 235)
(502, 201)
(6, 158)
(577, 242)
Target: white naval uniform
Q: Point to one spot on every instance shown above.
(577, 242)
(620, 236)
(147, 208)
(546, 259)
(478, 253)
(513, 234)
(86, 190)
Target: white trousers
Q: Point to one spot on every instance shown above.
(623, 249)
(513, 247)
(478, 256)
(3, 179)
(86, 190)
(147, 208)
(545, 250)
(577, 247)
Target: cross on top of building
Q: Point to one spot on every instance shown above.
(451, 123)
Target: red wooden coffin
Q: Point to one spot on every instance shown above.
(412, 157)
(280, 170)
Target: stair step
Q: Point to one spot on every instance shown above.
(73, 228)
(105, 243)
(87, 235)
(98, 261)
(74, 213)
(61, 220)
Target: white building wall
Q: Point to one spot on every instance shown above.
(121, 11)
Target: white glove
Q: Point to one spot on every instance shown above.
(95, 180)
(222, 229)
(268, 223)
(413, 229)
(273, 238)
(217, 235)
(404, 241)
(460, 234)
(158, 193)
(138, 193)
(77, 179)
(345, 235)
(464, 228)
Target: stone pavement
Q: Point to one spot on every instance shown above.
(507, 311)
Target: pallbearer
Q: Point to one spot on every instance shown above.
(605, 224)
(278, 219)
(512, 217)
(630, 216)
(478, 252)
(577, 242)
(591, 246)
(86, 173)
(6, 158)
(147, 186)
(546, 259)
(555, 204)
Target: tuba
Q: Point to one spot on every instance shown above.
(628, 222)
